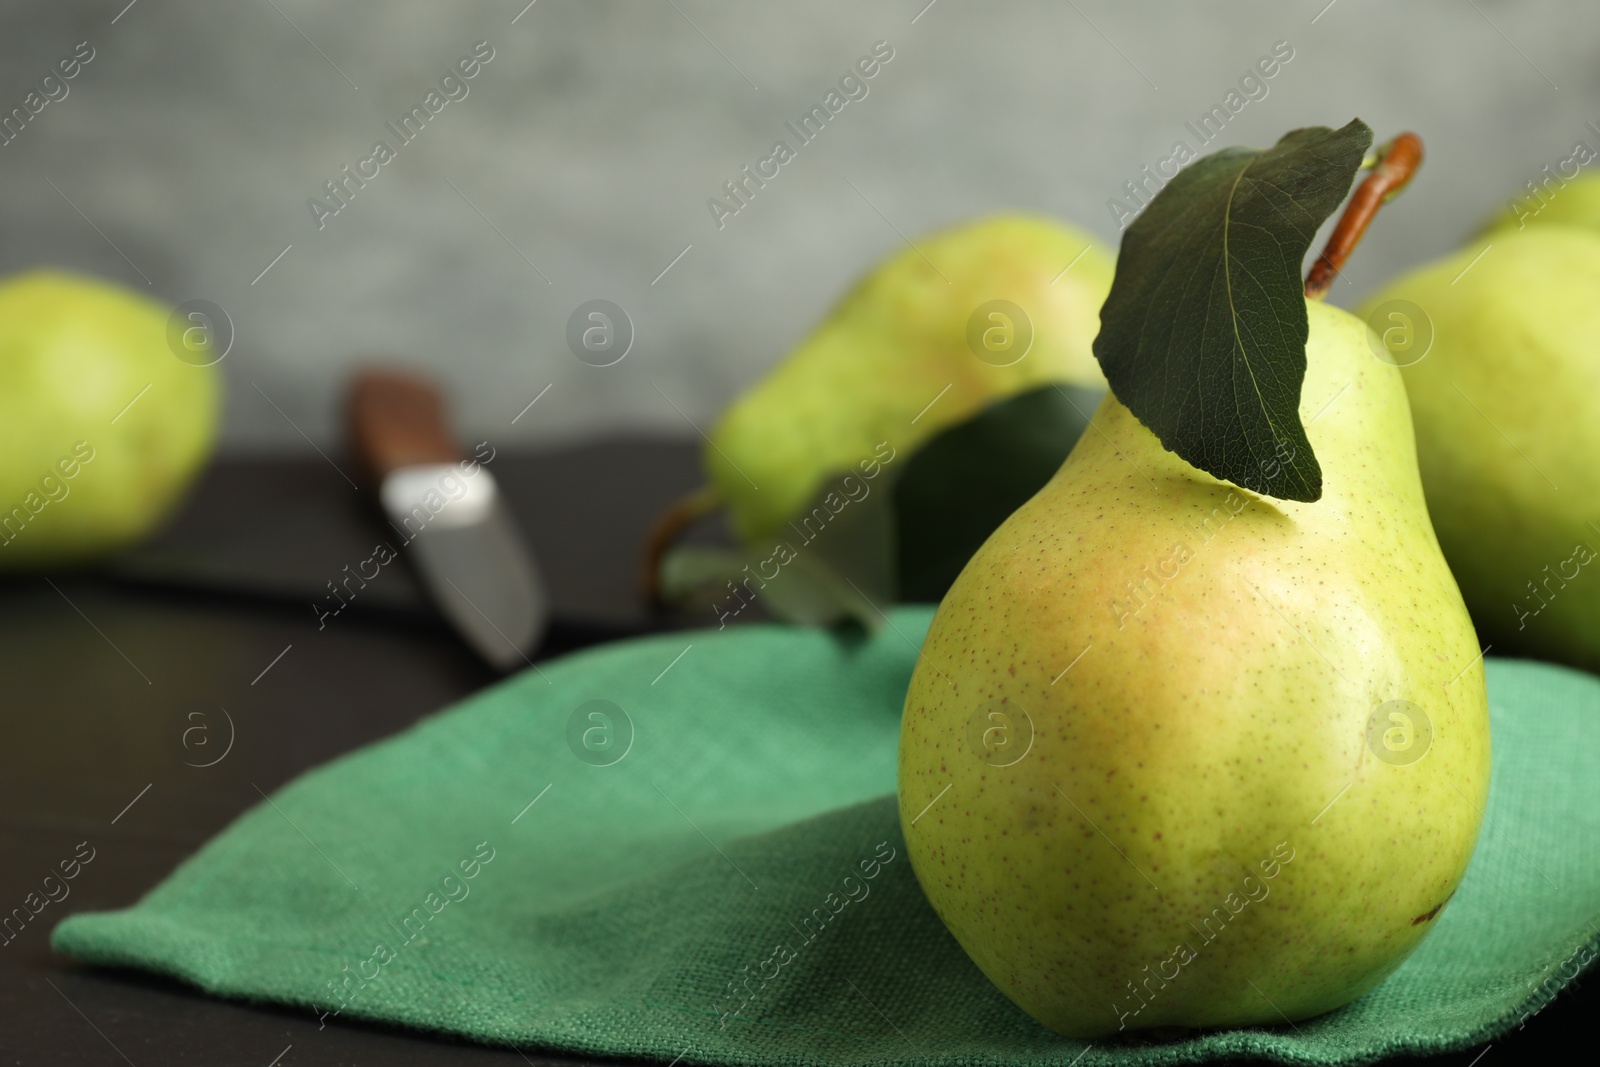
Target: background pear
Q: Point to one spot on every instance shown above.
(1151, 771)
(89, 385)
(1507, 410)
(893, 345)
(1551, 202)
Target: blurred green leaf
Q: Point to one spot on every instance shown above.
(864, 544)
(967, 480)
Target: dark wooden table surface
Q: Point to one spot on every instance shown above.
(113, 686)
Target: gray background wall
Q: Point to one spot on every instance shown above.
(593, 139)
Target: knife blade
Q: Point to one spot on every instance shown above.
(450, 516)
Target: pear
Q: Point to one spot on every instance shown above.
(102, 426)
(1175, 755)
(892, 362)
(1507, 409)
(1553, 202)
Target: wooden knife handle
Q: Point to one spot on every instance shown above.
(398, 420)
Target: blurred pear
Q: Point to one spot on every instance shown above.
(1574, 203)
(919, 344)
(102, 425)
(1507, 409)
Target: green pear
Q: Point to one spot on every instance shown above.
(1507, 408)
(102, 426)
(892, 362)
(1554, 202)
(1175, 755)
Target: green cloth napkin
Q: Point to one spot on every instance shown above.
(475, 875)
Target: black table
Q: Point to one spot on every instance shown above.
(121, 685)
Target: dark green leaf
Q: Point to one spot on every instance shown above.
(1204, 334)
(964, 482)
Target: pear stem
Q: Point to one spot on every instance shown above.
(666, 530)
(1397, 162)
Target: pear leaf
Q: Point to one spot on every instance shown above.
(809, 590)
(902, 538)
(1204, 334)
(970, 477)
(833, 562)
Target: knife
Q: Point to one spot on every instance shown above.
(450, 517)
